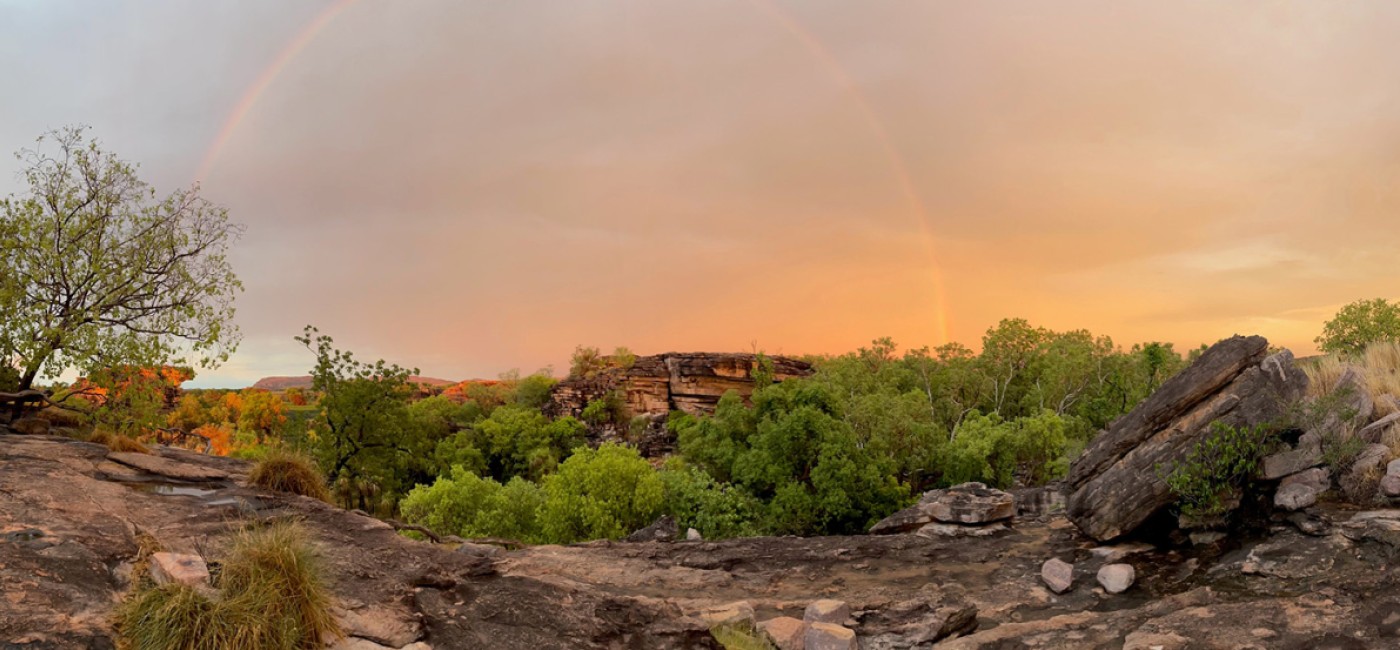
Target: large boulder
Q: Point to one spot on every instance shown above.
(1115, 484)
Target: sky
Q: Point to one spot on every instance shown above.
(471, 186)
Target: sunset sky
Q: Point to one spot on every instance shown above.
(473, 186)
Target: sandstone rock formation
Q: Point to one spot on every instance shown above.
(1115, 486)
(675, 381)
(969, 503)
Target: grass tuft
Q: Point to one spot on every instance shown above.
(288, 471)
(270, 598)
(117, 442)
(741, 637)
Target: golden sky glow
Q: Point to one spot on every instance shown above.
(470, 187)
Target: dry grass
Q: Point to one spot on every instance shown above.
(117, 442)
(1360, 487)
(1379, 366)
(288, 471)
(270, 598)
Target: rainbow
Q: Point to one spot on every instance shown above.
(259, 86)
(789, 24)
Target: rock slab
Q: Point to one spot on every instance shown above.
(1295, 496)
(967, 504)
(179, 568)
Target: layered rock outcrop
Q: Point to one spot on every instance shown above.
(674, 381)
(1115, 486)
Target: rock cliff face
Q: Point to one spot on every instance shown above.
(1115, 485)
(656, 385)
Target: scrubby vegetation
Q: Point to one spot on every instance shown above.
(1213, 472)
(270, 596)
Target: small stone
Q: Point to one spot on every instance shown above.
(179, 568)
(1295, 496)
(736, 613)
(1390, 485)
(785, 632)
(825, 636)
(692, 535)
(827, 611)
(1057, 574)
(1116, 578)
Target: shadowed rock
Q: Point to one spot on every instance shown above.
(1115, 485)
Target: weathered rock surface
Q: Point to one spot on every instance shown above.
(827, 611)
(1114, 485)
(1318, 478)
(1295, 496)
(1306, 454)
(785, 632)
(969, 503)
(1375, 430)
(69, 532)
(829, 636)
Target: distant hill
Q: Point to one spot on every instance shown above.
(304, 382)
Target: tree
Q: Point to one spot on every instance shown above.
(98, 272)
(1359, 324)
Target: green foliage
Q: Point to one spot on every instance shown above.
(1215, 468)
(100, 273)
(996, 452)
(622, 357)
(271, 597)
(533, 391)
(741, 637)
(603, 493)
(1358, 324)
(365, 432)
(719, 511)
(469, 506)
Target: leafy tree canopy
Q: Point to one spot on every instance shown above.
(1358, 324)
(99, 272)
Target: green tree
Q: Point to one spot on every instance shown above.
(365, 433)
(1358, 324)
(603, 493)
(98, 272)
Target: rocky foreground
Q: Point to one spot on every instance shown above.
(73, 517)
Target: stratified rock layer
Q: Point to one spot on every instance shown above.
(675, 381)
(1116, 485)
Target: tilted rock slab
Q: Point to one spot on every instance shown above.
(1115, 487)
(968, 503)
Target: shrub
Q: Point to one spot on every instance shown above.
(271, 597)
(696, 500)
(603, 493)
(469, 506)
(1215, 468)
(289, 471)
(1358, 324)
